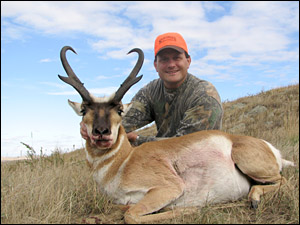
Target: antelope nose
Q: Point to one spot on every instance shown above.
(101, 131)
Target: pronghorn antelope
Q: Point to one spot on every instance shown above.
(181, 172)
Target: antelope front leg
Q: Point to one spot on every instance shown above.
(153, 201)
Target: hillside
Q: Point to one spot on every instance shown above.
(60, 188)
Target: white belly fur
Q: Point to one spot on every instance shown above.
(213, 176)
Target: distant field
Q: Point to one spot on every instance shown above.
(8, 159)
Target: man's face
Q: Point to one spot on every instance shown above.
(172, 67)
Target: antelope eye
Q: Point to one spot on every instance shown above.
(120, 111)
(83, 111)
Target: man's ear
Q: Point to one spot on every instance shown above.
(76, 106)
(155, 65)
(189, 61)
(126, 108)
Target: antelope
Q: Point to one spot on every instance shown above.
(208, 166)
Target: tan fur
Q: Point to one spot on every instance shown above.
(183, 172)
(148, 169)
(101, 113)
(254, 158)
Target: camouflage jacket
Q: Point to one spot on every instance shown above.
(192, 107)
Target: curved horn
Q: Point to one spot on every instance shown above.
(72, 79)
(131, 79)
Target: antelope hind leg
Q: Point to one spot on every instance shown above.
(258, 190)
(256, 160)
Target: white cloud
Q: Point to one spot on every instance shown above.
(53, 84)
(101, 77)
(103, 91)
(252, 27)
(212, 6)
(278, 15)
(63, 93)
(46, 60)
(95, 91)
(244, 34)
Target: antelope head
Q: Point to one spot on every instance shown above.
(102, 116)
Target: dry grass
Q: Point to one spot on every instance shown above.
(60, 189)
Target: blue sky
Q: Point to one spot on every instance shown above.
(241, 47)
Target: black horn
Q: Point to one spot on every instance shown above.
(131, 79)
(72, 79)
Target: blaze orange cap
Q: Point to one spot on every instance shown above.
(170, 40)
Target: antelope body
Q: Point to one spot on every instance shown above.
(191, 170)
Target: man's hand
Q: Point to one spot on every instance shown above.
(83, 131)
(132, 136)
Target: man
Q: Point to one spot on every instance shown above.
(178, 102)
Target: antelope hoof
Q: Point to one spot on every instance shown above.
(254, 204)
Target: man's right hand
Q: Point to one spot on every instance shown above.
(132, 136)
(83, 131)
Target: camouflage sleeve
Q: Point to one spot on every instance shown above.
(207, 115)
(139, 114)
(142, 139)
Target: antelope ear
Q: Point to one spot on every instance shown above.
(76, 106)
(126, 108)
